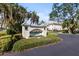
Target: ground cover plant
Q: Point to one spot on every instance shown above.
(34, 42)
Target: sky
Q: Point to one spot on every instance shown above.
(42, 9)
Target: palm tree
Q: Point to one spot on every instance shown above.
(34, 17)
(28, 15)
(37, 19)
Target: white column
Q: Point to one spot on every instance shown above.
(25, 33)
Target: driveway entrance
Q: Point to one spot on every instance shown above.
(68, 47)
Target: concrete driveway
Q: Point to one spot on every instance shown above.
(68, 47)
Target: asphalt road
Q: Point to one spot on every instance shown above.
(69, 46)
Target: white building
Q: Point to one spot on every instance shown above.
(29, 29)
(54, 25)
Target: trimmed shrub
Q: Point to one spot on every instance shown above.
(65, 31)
(18, 27)
(5, 36)
(2, 33)
(34, 42)
(6, 43)
(10, 32)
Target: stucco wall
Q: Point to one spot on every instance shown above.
(26, 33)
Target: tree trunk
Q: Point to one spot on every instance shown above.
(69, 30)
(2, 24)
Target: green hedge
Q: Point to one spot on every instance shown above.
(65, 31)
(34, 42)
(4, 44)
(10, 31)
(5, 36)
(7, 42)
(2, 33)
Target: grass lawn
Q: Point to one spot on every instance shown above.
(34, 42)
(6, 43)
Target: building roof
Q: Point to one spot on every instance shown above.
(54, 22)
(28, 23)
